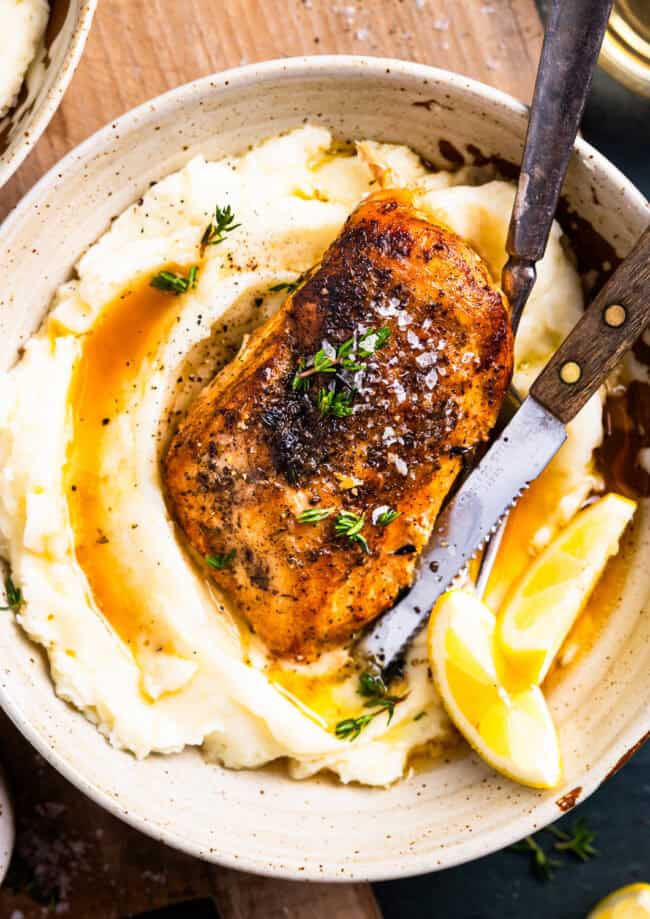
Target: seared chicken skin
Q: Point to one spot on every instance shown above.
(420, 383)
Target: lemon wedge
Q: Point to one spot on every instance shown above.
(543, 605)
(631, 902)
(512, 731)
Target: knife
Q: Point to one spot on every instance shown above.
(607, 329)
(572, 39)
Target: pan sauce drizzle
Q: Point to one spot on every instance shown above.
(114, 353)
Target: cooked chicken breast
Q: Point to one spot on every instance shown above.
(419, 347)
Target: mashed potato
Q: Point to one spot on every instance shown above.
(22, 26)
(136, 636)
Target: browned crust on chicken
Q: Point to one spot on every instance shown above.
(252, 453)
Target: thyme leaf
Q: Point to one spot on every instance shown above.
(350, 728)
(220, 560)
(335, 402)
(314, 514)
(386, 517)
(375, 692)
(174, 283)
(14, 595)
(349, 524)
(288, 286)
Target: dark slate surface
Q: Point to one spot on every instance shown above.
(502, 885)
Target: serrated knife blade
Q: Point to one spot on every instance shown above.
(519, 455)
(606, 330)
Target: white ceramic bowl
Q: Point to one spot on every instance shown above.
(64, 42)
(260, 820)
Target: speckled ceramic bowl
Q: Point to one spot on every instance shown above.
(261, 820)
(42, 92)
(6, 826)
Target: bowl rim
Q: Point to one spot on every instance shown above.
(627, 741)
(16, 152)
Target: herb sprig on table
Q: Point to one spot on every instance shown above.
(375, 692)
(579, 842)
(14, 595)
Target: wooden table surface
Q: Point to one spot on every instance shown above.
(68, 850)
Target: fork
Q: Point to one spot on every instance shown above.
(572, 40)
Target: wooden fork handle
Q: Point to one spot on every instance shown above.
(608, 328)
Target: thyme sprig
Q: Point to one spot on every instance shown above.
(14, 595)
(220, 560)
(349, 524)
(336, 402)
(351, 355)
(542, 865)
(376, 695)
(174, 283)
(579, 842)
(223, 222)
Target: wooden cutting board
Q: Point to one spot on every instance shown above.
(68, 849)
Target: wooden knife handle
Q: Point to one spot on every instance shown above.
(608, 328)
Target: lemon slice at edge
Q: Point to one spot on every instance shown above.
(543, 605)
(629, 902)
(513, 732)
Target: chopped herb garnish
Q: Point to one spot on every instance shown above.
(289, 286)
(419, 716)
(219, 561)
(314, 514)
(375, 692)
(387, 517)
(580, 843)
(14, 595)
(223, 222)
(542, 865)
(350, 525)
(350, 728)
(174, 283)
(335, 402)
(345, 357)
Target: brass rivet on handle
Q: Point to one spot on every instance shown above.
(615, 315)
(570, 372)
